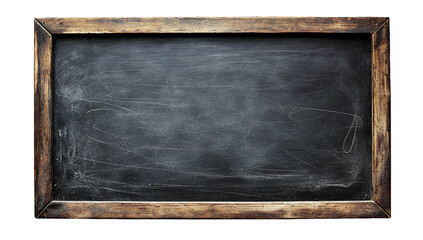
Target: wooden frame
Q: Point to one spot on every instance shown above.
(378, 206)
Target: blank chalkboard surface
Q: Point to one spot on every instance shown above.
(212, 117)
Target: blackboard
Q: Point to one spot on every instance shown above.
(212, 117)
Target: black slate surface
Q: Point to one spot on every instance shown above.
(244, 117)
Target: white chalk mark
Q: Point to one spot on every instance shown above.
(100, 109)
(121, 191)
(306, 163)
(299, 109)
(354, 124)
(248, 132)
(101, 102)
(103, 162)
(97, 140)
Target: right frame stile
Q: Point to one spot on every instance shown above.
(381, 111)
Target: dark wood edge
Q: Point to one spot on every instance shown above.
(42, 117)
(213, 25)
(78, 209)
(46, 207)
(381, 134)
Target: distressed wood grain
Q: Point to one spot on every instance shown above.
(42, 117)
(66, 209)
(45, 206)
(212, 25)
(381, 118)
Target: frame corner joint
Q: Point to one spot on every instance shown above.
(37, 22)
(39, 214)
(386, 211)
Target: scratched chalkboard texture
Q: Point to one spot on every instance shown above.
(197, 117)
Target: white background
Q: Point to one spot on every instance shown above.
(16, 116)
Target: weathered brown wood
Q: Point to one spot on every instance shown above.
(46, 207)
(211, 25)
(364, 209)
(42, 117)
(381, 118)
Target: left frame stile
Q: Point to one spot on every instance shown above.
(42, 117)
